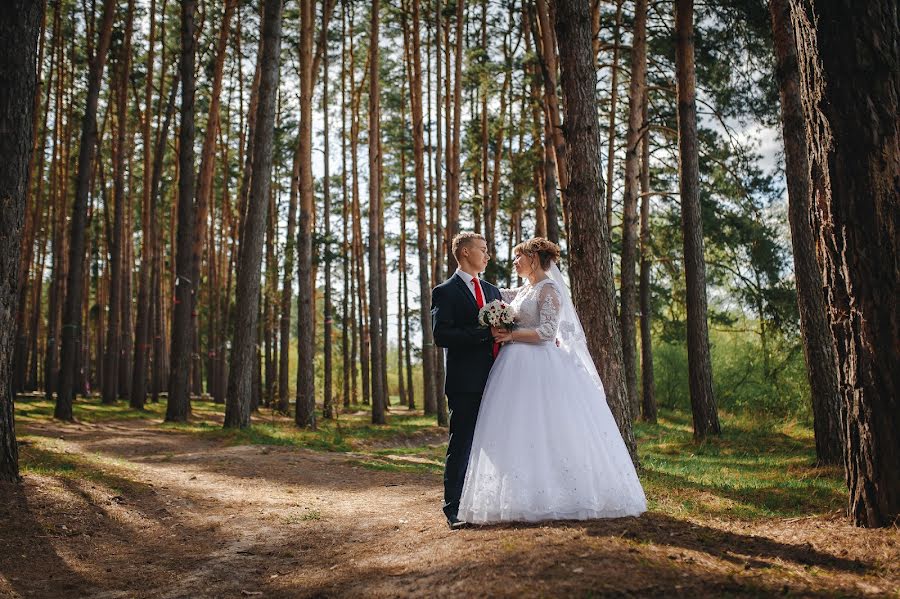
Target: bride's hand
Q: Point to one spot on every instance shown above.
(501, 335)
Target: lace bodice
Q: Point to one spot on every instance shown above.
(536, 307)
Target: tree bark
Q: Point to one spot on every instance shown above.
(590, 262)
(327, 399)
(34, 203)
(453, 139)
(346, 326)
(440, 406)
(648, 386)
(548, 51)
(379, 367)
(286, 285)
(205, 174)
(305, 413)
(703, 401)
(244, 357)
(158, 320)
(178, 406)
(71, 330)
(116, 240)
(358, 253)
(429, 383)
(613, 105)
(636, 125)
(20, 26)
(818, 346)
(850, 92)
(142, 323)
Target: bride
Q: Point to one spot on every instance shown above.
(546, 446)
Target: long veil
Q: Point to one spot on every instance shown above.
(571, 333)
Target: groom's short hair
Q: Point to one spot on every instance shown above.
(462, 240)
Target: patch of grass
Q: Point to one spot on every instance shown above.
(435, 453)
(385, 465)
(42, 456)
(87, 409)
(755, 469)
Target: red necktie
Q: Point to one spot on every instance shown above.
(479, 299)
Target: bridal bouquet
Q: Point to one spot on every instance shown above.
(497, 314)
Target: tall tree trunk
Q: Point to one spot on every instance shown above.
(379, 367)
(305, 413)
(550, 68)
(850, 90)
(113, 333)
(205, 176)
(327, 400)
(286, 285)
(360, 279)
(537, 126)
(159, 363)
(19, 30)
(613, 105)
(648, 386)
(346, 330)
(593, 288)
(636, 127)
(437, 357)
(493, 204)
(703, 401)
(818, 346)
(142, 324)
(244, 357)
(269, 292)
(454, 150)
(71, 330)
(429, 384)
(33, 208)
(178, 406)
(126, 345)
(57, 233)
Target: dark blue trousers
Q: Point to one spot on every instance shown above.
(463, 413)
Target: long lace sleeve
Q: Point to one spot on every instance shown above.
(549, 302)
(508, 295)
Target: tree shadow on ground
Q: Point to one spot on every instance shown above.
(73, 531)
(660, 529)
(28, 560)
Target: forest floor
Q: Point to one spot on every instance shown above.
(121, 505)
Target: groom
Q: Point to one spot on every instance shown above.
(470, 353)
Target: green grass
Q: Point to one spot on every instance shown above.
(44, 456)
(756, 469)
(29, 409)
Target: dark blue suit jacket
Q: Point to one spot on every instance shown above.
(454, 320)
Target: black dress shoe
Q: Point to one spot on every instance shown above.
(457, 524)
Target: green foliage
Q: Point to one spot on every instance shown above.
(744, 381)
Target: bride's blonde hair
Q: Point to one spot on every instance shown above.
(546, 251)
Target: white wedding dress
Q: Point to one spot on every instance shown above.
(546, 446)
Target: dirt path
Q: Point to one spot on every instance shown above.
(170, 515)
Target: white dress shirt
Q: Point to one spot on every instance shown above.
(467, 279)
